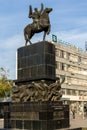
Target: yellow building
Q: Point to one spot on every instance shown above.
(72, 63)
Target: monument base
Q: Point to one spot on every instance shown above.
(36, 62)
(37, 116)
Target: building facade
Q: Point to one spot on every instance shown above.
(72, 63)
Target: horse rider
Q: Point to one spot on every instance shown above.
(36, 15)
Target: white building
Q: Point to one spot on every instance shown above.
(72, 63)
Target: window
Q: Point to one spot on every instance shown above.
(63, 91)
(73, 92)
(61, 54)
(57, 65)
(68, 91)
(68, 55)
(62, 66)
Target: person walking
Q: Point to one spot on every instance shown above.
(73, 113)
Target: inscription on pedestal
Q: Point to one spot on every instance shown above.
(37, 116)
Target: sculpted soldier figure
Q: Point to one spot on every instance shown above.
(41, 22)
(35, 15)
(38, 91)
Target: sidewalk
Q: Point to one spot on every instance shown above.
(79, 121)
(1, 123)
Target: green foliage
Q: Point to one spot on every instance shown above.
(5, 84)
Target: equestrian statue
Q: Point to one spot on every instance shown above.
(41, 22)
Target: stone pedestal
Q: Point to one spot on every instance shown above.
(37, 92)
(35, 62)
(37, 116)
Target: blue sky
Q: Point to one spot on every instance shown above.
(68, 22)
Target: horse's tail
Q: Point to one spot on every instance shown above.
(27, 33)
(25, 36)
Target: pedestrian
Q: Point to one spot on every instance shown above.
(73, 113)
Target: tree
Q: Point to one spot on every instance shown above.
(5, 84)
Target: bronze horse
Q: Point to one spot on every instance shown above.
(43, 24)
